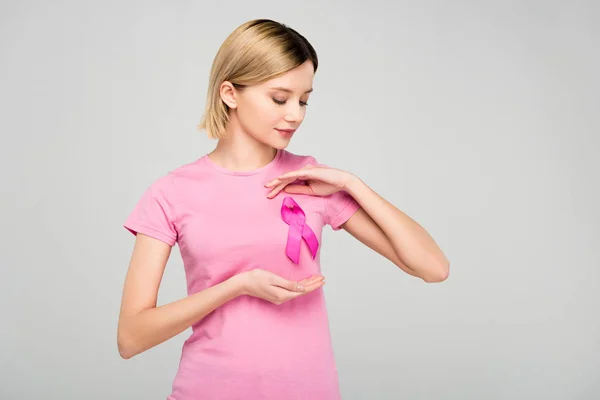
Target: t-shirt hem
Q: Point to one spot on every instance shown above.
(345, 214)
(137, 228)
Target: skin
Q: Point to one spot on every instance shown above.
(251, 141)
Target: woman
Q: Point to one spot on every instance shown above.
(248, 218)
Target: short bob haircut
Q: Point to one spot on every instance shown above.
(255, 52)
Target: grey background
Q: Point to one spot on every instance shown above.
(477, 119)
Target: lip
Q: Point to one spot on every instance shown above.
(287, 132)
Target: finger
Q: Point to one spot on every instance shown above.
(275, 181)
(315, 276)
(281, 295)
(278, 181)
(304, 171)
(291, 175)
(313, 286)
(298, 189)
(312, 279)
(300, 174)
(277, 189)
(278, 295)
(293, 286)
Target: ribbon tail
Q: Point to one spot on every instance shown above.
(311, 240)
(292, 248)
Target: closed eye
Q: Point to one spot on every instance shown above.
(281, 102)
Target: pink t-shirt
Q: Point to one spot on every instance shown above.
(224, 224)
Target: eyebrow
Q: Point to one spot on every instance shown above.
(289, 90)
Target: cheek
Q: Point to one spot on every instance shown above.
(272, 115)
(260, 118)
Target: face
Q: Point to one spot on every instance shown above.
(271, 111)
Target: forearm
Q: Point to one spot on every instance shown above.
(151, 327)
(411, 243)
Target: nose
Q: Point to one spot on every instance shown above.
(293, 113)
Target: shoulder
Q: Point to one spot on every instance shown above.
(184, 175)
(292, 160)
(170, 182)
(190, 169)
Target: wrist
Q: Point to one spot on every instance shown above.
(352, 183)
(237, 284)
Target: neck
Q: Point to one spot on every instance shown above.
(238, 151)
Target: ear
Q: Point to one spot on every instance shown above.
(228, 94)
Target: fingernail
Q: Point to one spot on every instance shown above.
(300, 287)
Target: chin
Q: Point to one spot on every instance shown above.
(276, 143)
(279, 143)
(281, 146)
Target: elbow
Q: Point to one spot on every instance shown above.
(125, 345)
(126, 351)
(437, 274)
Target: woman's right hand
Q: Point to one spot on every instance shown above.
(275, 289)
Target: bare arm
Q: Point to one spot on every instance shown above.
(393, 234)
(378, 224)
(142, 325)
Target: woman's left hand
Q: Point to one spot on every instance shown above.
(320, 181)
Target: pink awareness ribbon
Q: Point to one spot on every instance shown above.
(294, 216)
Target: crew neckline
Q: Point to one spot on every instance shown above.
(255, 171)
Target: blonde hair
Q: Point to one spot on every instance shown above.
(253, 53)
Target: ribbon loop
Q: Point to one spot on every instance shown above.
(295, 217)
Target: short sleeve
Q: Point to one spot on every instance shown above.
(153, 213)
(339, 207)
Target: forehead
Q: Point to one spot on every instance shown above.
(298, 80)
